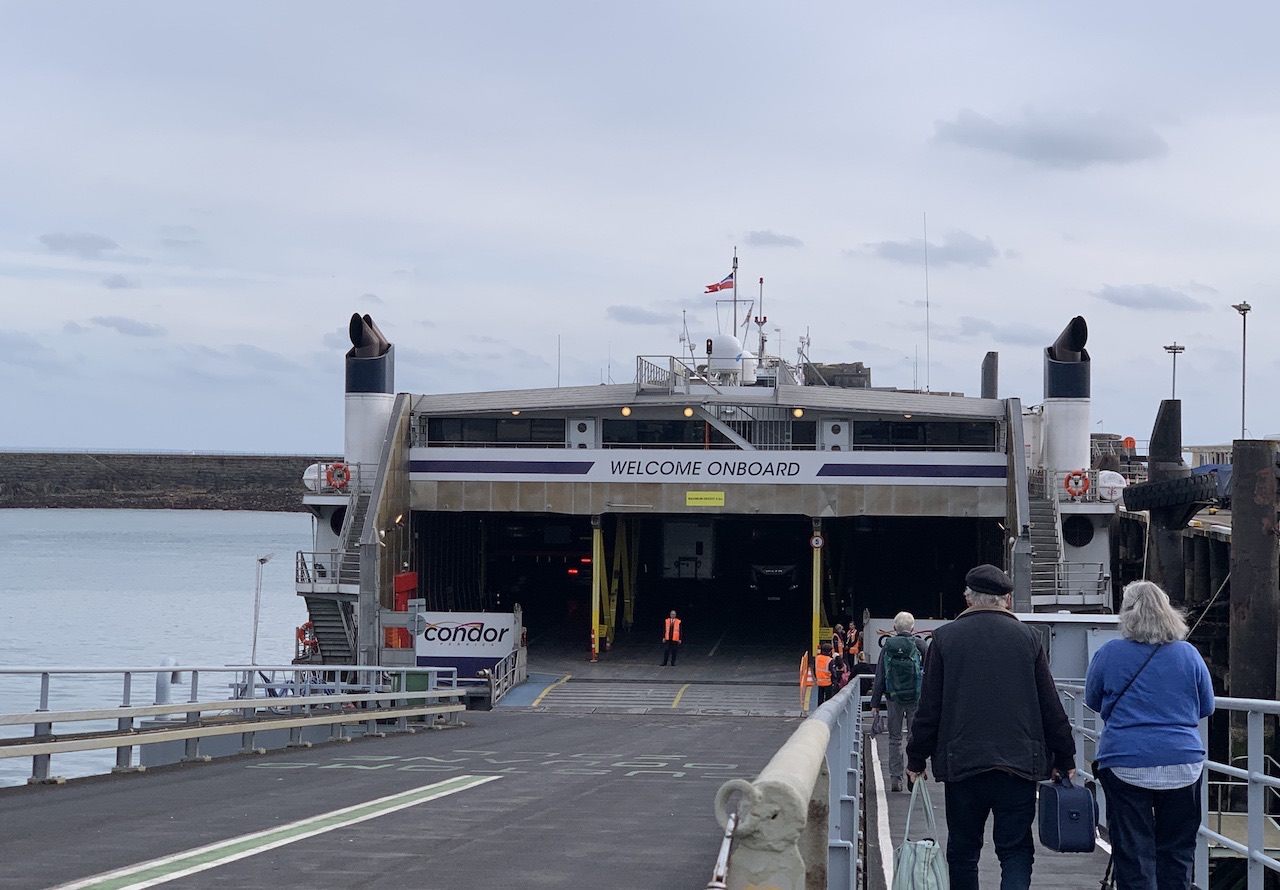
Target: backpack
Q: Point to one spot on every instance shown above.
(903, 673)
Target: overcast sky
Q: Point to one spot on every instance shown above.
(196, 196)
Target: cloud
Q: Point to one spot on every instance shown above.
(118, 282)
(182, 231)
(1066, 142)
(72, 328)
(371, 298)
(958, 249)
(1012, 334)
(772, 239)
(25, 351)
(636, 315)
(128, 326)
(180, 243)
(1148, 296)
(81, 244)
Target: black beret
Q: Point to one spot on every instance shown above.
(988, 579)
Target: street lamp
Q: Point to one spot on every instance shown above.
(1243, 309)
(1175, 350)
(257, 603)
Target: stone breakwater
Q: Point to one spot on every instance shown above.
(271, 483)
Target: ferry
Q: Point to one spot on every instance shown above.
(726, 483)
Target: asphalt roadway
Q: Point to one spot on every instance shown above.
(564, 800)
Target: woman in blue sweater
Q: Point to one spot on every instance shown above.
(1152, 689)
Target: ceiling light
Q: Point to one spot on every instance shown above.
(626, 411)
(516, 413)
(688, 412)
(797, 412)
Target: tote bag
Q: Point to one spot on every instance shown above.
(919, 864)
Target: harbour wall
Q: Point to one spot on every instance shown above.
(266, 482)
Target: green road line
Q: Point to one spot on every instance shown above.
(168, 868)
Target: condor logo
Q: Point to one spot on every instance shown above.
(469, 632)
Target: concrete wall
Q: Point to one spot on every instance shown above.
(154, 481)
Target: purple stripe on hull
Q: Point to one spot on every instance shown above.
(548, 467)
(910, 471)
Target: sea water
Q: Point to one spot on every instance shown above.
(129, 588)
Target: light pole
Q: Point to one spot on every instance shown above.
(1243, 309)
(1175, 350)
(257, 603)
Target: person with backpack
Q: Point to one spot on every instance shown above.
(899, 677)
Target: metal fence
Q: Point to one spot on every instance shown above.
(250, 699)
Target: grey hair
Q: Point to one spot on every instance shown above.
(985, 599)
(904, 622)
(1147, 616)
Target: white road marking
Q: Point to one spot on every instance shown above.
(190, 862)
(882, 817)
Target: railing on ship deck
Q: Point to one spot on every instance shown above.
(254, 699)
(1252, 811)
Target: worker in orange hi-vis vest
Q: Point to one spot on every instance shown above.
(822, 673)
(670, 639)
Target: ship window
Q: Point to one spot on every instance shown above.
(546, 429)
(908, 434)
(479, 429)
(943, 435)
(804, 432)
(443, 430)
(978, 435)
(870, 433)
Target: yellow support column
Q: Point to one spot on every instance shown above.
(815, 543)
(597, 584)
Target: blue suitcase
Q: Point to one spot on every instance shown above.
(1068, 817)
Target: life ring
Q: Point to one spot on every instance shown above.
(338, 475)
(307, 641)
(1076, 483)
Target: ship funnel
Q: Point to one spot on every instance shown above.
(1066, 400)
(370, 389)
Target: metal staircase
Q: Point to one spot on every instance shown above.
(1046, 548)
(331, 613)
(331, 618)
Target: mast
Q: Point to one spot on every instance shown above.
(735, 291)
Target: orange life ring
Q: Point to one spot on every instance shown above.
(1076, 482)
(338, 475)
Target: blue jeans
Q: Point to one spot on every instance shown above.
(1152, 833)
(1012, 800)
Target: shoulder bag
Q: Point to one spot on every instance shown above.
(920, 865)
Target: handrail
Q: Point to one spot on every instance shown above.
(798, 821)
(294, 696)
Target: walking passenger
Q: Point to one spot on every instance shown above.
(1152, 689)
(822, 673)
(670, 639)
(899, 674)
(990, 719)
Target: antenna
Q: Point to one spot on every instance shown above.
(760, 321)
(927, 377)
(557, 361)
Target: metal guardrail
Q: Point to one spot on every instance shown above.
(798, 824)
(507, 674)
(1087, 726)
(259, 698)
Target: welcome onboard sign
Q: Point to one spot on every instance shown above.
(826, 467)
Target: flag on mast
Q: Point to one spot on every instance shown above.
(723, 284)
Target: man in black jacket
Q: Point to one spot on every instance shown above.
(991, 721)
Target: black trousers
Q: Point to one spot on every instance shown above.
(671, 648)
